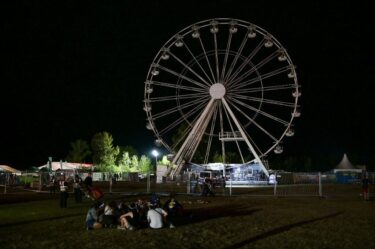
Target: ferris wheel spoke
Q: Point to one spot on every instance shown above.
(171, 126)
(239, 52)
(263, 100)
(270, 116)
(181, 119)
(213, 122)
(254, 68)
(203, 127)
(174, 97)
(216, 58)
(261, 77)
(186, 130)
(222, 130)
(181, 76)
(188, 148)
(189, 68)
(185, 133)
(178, 86)
(226, 57)
(254, 143)
(253, 121)
(199, 64)
(179, 107)
(207, 60)
(245, 62)
(264, 89)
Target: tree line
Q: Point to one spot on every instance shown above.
(107, 157)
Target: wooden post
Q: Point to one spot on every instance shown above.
(148, 182)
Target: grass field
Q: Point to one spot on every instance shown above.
(31, 220)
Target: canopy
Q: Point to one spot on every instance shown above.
(346, 165)
(66, 165)
(8, 169)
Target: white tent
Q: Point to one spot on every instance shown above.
(8, 169)
(66, 166)
(346, 165)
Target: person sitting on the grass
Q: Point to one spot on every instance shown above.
(109, 217)
(156, 216)
(92, 217)
(142, 209)
(130, 220)
(174, 209)
(122, 207)
(155, 200)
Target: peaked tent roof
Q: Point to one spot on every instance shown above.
(8, 169)
(345, 163)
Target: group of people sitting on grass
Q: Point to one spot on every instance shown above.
(135, 215)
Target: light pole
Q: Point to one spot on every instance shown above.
(155, 153)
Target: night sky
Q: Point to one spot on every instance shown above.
(71, 69)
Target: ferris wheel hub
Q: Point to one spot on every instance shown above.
(217, 91)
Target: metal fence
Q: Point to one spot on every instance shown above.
(286, 184)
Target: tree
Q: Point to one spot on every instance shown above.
(128, 148)
(125, 162)
(134, 165)
(232, 157)
(104, 153)
(145, 164)
(164, 161)
(79, 151)
(218, 158)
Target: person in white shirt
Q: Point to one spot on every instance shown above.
(109, 217)
(63, 194)
(156, 216)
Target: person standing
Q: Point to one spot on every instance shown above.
(207, 187)
(63, 194)
(77, 189)
(88, 184)
(223, 183)
(52, 187)
(365, 190)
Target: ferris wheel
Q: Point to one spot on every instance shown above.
(221, 88)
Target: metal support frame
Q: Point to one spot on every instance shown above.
(243, 134)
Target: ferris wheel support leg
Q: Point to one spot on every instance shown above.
(243, 134)
(198, 129)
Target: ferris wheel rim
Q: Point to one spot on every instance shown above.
(222, 21)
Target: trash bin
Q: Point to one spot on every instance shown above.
(193, 186)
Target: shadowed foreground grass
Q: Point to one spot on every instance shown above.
(217, 222)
